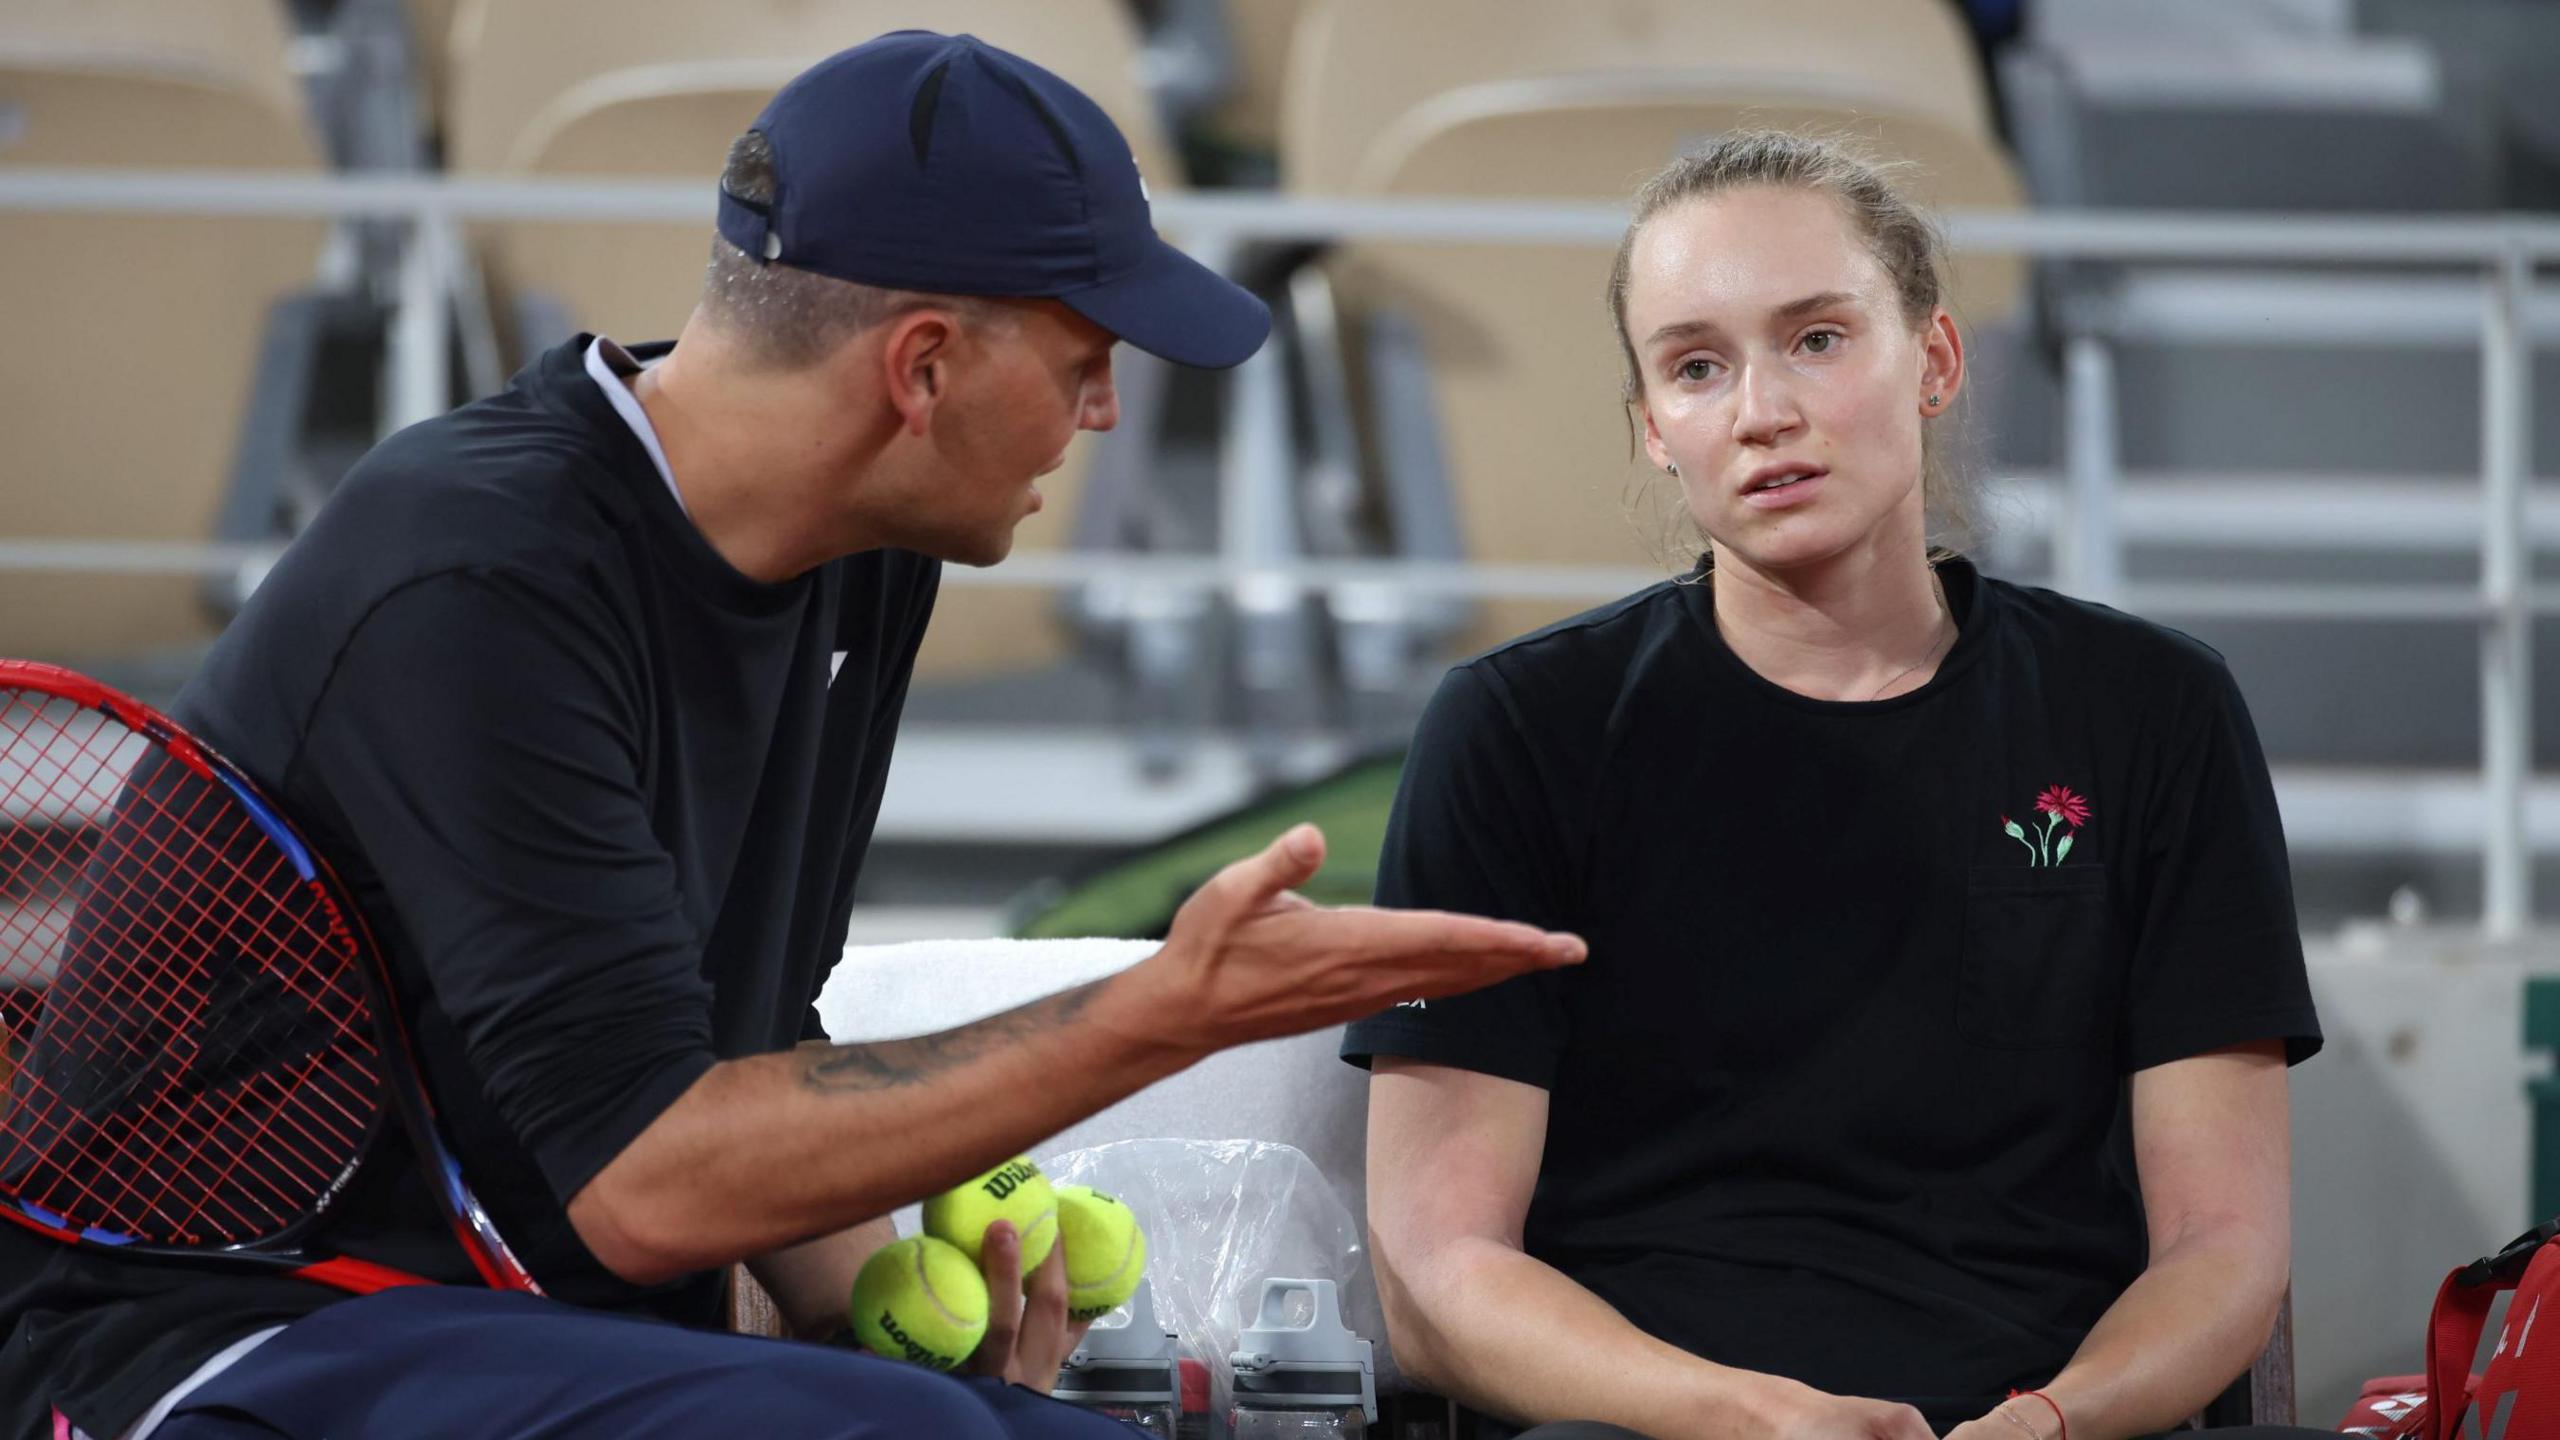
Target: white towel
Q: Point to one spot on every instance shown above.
(880, 992)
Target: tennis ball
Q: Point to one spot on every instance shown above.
(921, 1301)
(1015, 1191)
(1106, 1251)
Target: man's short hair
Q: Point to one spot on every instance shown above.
(791, 318)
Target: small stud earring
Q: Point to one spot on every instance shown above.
(1934, 402)
(1674, 469)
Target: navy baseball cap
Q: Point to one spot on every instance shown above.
(932, 162)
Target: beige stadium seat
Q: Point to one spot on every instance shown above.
(659, 88)
(431, 36)
(133, 338)
(1523, 361)
(1358, 66)
(1258, 33)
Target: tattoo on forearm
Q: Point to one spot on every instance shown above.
(889, 1064)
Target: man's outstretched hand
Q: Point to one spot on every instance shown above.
(1248, 959)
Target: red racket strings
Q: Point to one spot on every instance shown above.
(187, 1045)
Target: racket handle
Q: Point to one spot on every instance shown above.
(358, 1277)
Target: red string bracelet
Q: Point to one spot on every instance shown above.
(2048, 1402)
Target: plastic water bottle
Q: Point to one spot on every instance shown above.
(1127, 1368)
(1300, 1373)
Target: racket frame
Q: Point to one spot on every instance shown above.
(403, 1092)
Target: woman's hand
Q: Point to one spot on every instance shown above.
(1789, 1411)
(2011, 1419)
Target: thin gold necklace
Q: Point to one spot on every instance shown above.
(1939, 586)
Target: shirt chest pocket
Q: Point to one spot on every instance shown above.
(2039, 970)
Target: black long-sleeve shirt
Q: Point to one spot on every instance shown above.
(603, 799)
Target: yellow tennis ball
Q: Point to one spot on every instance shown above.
(921, 1301)
(1015, 1191)
(1106, 1251)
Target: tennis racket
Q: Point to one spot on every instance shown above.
(200, 1044)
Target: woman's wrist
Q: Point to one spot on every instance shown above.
(1761, 1404)
(2037, 1413)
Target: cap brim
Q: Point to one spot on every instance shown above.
(1174, 307)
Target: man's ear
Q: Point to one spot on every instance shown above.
(915, 361)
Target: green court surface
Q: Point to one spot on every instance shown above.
(1135, 898)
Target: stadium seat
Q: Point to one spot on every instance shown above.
(172, 307)
(1247, 118)
(1358, 66)
(1521, 358)
(2112, 106)
(659, 88)
(431, 41)
(751, 1309)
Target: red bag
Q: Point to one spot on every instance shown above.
(2518, 1396)
(2388, 1406)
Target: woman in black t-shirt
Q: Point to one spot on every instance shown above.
(1929, 1068)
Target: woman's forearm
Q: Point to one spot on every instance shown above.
(1501, 1332)
(2193, 1320)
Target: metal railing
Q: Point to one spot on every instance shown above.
(2500, 255)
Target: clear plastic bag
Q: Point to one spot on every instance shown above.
(1221, 1217)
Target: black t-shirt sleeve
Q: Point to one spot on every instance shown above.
(2219, 957)
(1474, 830)
(893, 681)
(481, 742)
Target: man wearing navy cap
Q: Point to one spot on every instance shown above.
(589, 690)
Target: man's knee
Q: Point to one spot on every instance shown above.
(213, 1425)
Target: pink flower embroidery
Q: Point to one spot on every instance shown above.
(2059, 805)
(2059, 800)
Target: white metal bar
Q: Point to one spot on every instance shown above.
(2108, 234)
(2411, 514)
(354, 195)
(1037, 570)
(2258, 308)
(417, 380)
(2202, 237)
(1243, 445)
(131, 557)
(1257, 518)
(2088, 554)
(2280, 600)
(955, 784)
(2165, 67)
(2272, 512)
(2342, 810)
(1025, 570)
(2506, 632)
